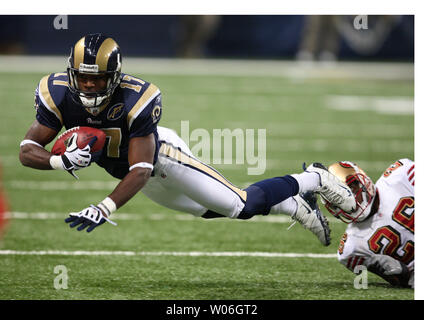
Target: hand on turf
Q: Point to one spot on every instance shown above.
(90, 217)
(74, 158)
(385, 264)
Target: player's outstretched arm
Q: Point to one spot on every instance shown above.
(393, 271)
(390, 269)
(140, 157)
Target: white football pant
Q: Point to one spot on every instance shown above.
(183, 183)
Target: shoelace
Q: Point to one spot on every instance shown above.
(313, 229)
(294, 222)
(290, 226)
(332, 196)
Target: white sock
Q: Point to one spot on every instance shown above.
(288, 207)
(308, 181)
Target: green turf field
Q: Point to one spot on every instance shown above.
(155, 253)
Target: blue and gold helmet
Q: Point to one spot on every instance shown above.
(94, 54)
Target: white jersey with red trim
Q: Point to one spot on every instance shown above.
(390, 231)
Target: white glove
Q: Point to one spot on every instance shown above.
(385, 264)
(411, 281)
(391, 270)
(90, 217)
(74, 158)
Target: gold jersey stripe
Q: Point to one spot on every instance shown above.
(148, 95)
(131, 78)
(174, 153)
(134, 87)
(59, 74)
(60, 83)
(105, 49)
(79, 53)
(47, 99)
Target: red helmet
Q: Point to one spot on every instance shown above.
(362, 187)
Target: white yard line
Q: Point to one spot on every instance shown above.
(157, 216)
(152, 216)
(283, 219)
(357, 130)
(223, 67)
(62, 185)
(325, 145)
(395, 105)
(282, 164)
(169, 253)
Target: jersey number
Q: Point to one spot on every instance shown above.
(134, 87)
(113, 140)
(403, 215)
(113, 135)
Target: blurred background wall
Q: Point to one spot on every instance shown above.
(228, 36)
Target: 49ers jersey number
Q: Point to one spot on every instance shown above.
(387, 240)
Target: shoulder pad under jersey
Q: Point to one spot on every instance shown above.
(52, 90)
(402, 171)
(138, 95)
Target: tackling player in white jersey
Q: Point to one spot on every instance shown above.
(380, 234)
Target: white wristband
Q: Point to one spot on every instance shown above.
(27, 141)
(108, 206)
(142, 165)
(56, 162)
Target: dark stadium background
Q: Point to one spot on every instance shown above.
(230, 36)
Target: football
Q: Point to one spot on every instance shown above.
(85, 135)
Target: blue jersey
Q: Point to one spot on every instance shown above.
(134, 110)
